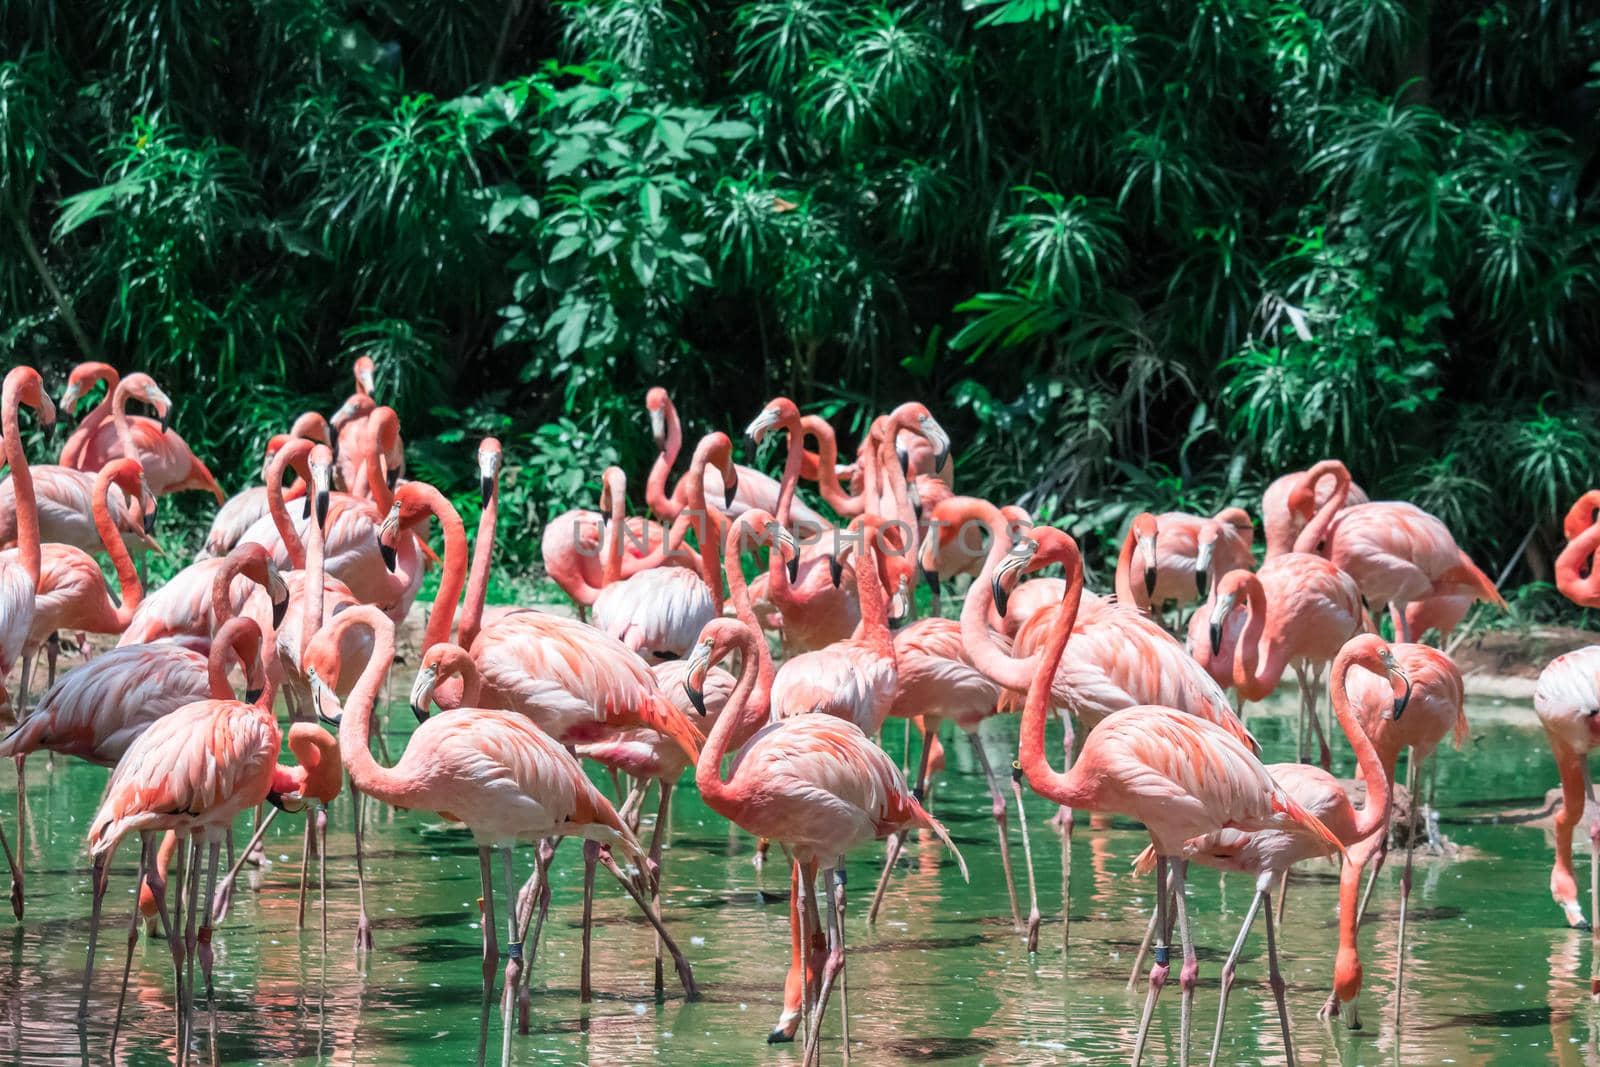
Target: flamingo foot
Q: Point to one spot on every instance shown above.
(363, 934)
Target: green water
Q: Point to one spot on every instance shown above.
(1494, 976)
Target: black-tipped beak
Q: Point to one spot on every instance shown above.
(752, 447)
(905, 460)
(793, 567)
(485, 490)
(1216, 639)
(1404, 699)
(939, 459)
(931, 580)
(322, 510)
(279, 611)
(1202, 582)
(252, 695)
(284, 803)
(1001, 597)
(1149, 581)
(150, 519)
(305, 512)
(164, 416)
(420, 712)
(394, 478)
(835, 570)
(390, 556)
(697, 698)
(730, 489)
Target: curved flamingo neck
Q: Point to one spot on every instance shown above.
(314, 585)
(1061, 788)
(612, 571)
(478, 577)
(1124, 576)
(1000, 666)
(119, 418)
(457, 662)
(665, 505)
(1577, 557)
(453, 576)
(874, 626)
(1259, 660)
(292, 545)
(28, 550)
(235, 643)
(229, 568)
(1375, 815)
(355, 727)
(828, 468)
(792, 462)
(1317, 529)
(738, 715)
(128, 584)
(99, 372)
(377, 484)
(739, 593)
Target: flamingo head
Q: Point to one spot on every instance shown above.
(718, 638)
(1374, 654)
(320, 467)
(313, 427)
(356, 406)
(488, 468)
(762, 527)
(716, 449)
(1229, 590)
(1143, 533)
(780, 413)
(1303, 497)
(28, 387)
(366, 372)
(383, 426)
(440, 662)
(918, 419)
(143, 388)
(1205, 551)
(255, 563)
(82, 379)
(658, 404)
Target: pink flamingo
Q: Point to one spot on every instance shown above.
(751, 488)
(815, 783)
(1397, 553)
(191, 771)
(474, 613)
(80, 382)
(492, 770)
(1301, 611)
(21, 566)
(1576, 573)
(1567, 700)
(243, 508)
(381, 447)
(186, 605)
(657, 612)
(1282, 523)
(570, 549)
(64, 499)
(1269, 854)
(1181, 554)
(170, 465)
(1181, 776)
(1434, 710)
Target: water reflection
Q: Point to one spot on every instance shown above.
(1493, 977)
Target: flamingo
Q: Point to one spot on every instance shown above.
(350, 433)
(80, 382)
(170, 465)
(657, 612)
(1575, 568)
(1301, 610)
(492, 770)
(473, 612)
(815, 783)
(64, 502)
(1397, 553)
(1269, 854)
(1567, 700)
(243, 508)
(1282, 523)
(188, 605)
(21, 566)
(1181, 554)
(381, 447)
(1434, 710)
(191, 771)
(751, 487)
(570, 549)
(1181, 776)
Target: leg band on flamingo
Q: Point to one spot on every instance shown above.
(515, 950)
(1163, 955)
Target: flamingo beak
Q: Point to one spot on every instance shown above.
(69, 398)
(905, 460)
(658, 427)
(730, 486)
(695, 679)
(320, 697)
(322, 510)
(280, 608)
(293, 803)
(1202, 582)
(1015, 561)
(252, 695)
(422, 692)
(386, 535)
(1393, 667)
(1149, 581)
(835, 570)
(305, 512)
(150, 519)
(1219, 614)
(485, 490)
(939, 439)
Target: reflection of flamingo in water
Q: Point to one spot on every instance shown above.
(1567, 700)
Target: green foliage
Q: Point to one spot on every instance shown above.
(1140, 255)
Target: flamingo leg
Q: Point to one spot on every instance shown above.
(1275, 979)
(491, 949)
(1283, 895)
(794, 984)
(804, 886)
(145, 871)
(225, 890)
(997, 800)
(363, 924)
(307, 850)
(1190, 974)
(1062, 819)
(1228, 968)
(1144, 950)
(191, 940)
(1032, 936)
(22, 833)
(514, 964)
(685, 974)
(1161, 968)
(657, 836)
(205, 931)
(1308, 700)
(16, 875)
(591, 856)
(322, 875)
(539, 903)
(832, 970)
(897, 840)
(101, 867)
(1405, 888)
